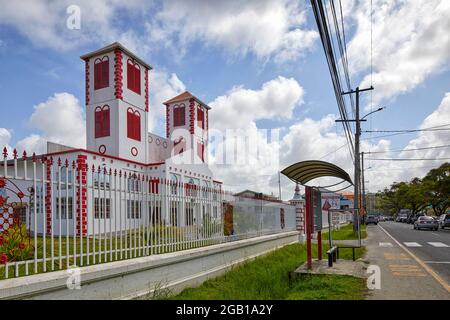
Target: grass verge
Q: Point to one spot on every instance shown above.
(345, 233)
(266, 277)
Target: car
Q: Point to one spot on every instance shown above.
(426, 222)
(381, 218)
(444, 220)
(372, 219)
(401, 217)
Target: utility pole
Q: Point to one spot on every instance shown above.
(357, 180)
(363, 186)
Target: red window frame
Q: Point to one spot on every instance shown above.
(133, 124)
(102, 121)
(200, 118)
(101, 73)
(201, 150)
(179, 116)
(133, 76)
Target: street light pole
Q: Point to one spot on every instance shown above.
(357, 154)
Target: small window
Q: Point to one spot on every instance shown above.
(201, 150)
(133, 124)
(102, 120)
(179, 116)
(101, 73)
(200, 118)
(133, 76)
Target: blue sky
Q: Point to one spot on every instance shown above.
(40, 59)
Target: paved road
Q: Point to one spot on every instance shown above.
(433, 247)
(400, 253)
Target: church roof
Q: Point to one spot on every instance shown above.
(184, 96)
(113, 46)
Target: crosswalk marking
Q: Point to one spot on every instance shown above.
(438, 244)
(412, 244)
(385, 244)
(393, 256)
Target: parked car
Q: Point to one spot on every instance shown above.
(372, 219)
(426, 222)
(444, 220)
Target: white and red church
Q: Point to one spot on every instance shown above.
(117, 107)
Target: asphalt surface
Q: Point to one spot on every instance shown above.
(404, 258)
(435, 256)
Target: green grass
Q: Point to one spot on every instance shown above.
(266, 277)
(344, 233)
(127, 244)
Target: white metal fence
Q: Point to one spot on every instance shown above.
(57, 214)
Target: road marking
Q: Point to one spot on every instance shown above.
(393, 256)
(409, 270)
(385, 244)
(427, 268)
(412, 244)
(438, 244)
(443, 262)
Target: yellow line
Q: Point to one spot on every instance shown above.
(422, 264)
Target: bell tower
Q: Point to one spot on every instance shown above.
(117, 103)
(187, 112)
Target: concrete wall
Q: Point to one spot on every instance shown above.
(137, 277)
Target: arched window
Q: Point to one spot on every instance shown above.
(200, 117)
(102, 120)
(179, 115)
(133, 76)
(101, 73)
(133, 124)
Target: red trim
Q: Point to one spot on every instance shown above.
(191, 115)
(104, 155)
(167, 121)
(100, 148)
(48, 196)
(118, 76)
(86, 63)
(81, 221)
(146, 89)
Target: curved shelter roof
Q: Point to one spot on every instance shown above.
(305, 171)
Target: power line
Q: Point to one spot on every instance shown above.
(407, 131)
(395, 134)
(412, 149)
(411, 159)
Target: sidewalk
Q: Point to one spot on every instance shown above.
(401, 276)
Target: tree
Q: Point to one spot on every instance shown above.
(437, 188)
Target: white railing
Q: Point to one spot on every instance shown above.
(59, 214)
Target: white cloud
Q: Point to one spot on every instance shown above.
(44, 22)
(162, 87)
(5, 138)
(60, 119)
(410, 43)
(261, 27)
(241, 107)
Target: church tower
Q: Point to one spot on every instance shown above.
(117, 103)
(187, 112)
